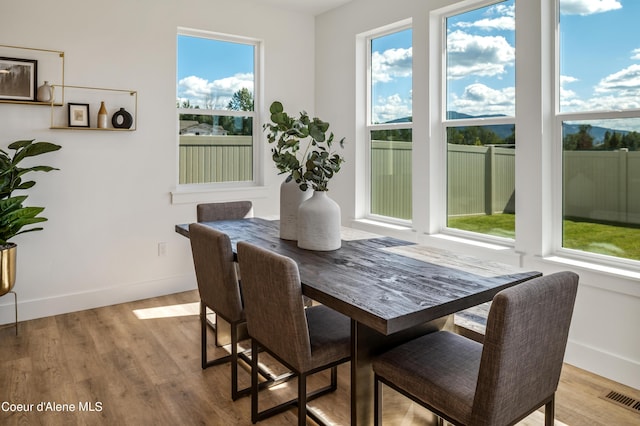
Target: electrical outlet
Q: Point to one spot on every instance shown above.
(162, 249)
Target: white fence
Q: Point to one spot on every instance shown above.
(205, 159)
(599, 185)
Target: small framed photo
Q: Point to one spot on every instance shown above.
(78, 115)
(18, 79)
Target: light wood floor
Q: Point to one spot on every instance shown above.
(138, 363)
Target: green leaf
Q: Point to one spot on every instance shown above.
(26, 185)
(20, 144)
(276, 107)
(34, 149)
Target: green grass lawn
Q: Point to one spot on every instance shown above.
(620, 240)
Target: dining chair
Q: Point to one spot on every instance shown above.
(304, 340)
(209, 212)
(515, 372)
(219, 291)
(228, 210)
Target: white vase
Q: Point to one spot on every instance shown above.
(319, 223)
(45, 93)
(291, 196)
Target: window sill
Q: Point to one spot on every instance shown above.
(609, 270)
(384, 228)
(192, 195)
(494, 251)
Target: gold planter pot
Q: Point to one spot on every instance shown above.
(7, 268)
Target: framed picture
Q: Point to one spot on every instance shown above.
(18, 79)
(78, 115)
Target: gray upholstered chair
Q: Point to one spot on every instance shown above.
(514, 373)
(219, 291)
(304, 340)
(210, 212)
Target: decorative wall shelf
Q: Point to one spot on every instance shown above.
(87, 100)
(49, 67)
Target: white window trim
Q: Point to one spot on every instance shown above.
(439, 123)
(538, 164)
(204, 191)
(556, 253)
(369, 127)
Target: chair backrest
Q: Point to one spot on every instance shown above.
(210, 212)
(524, 345)
(273, 304)
(215, 271)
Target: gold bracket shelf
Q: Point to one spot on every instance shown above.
(50, 65)
(91, 97)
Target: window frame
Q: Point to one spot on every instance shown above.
(440, 123)
(558, 117)
(257, 169)
(369, 127)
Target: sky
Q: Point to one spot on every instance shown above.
(600, 60)
(211, 71)
(599, 66)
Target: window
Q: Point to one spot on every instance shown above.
(390, 124)
(598, 124)
(216, 94)
(479, 120)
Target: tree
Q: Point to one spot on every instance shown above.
(242, 100)
(631, 140)
(579, 141)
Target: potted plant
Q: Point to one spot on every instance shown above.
(312, 168)
(14, 216)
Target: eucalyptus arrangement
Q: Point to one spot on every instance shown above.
(317, 164)
(315, 221)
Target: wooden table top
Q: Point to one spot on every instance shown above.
(384, 283)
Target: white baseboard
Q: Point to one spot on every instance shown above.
(72, 302)
(603, 363)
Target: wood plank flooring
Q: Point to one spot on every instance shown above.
(138, 363)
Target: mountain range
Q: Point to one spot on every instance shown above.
(504, 130)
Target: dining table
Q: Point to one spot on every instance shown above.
(392, 290)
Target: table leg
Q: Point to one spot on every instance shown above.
(365, 344)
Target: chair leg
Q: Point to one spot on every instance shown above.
(254, 381)
(549, 411)
(203, 333)
(302, 400)
(377, 401)
(234, 362)
(334, 378)
(203, 341)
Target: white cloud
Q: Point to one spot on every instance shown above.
(390, 64)
(500, 17)
(565, 79)
(588, 7)
(479, 99)
(391, 108)
(213, 94)
(626, 81)
(501, 23)
(617, 91)
(567, 96)
(485, 56)
(635, 53)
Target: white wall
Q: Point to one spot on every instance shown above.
(603, 336)
(110, 204)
